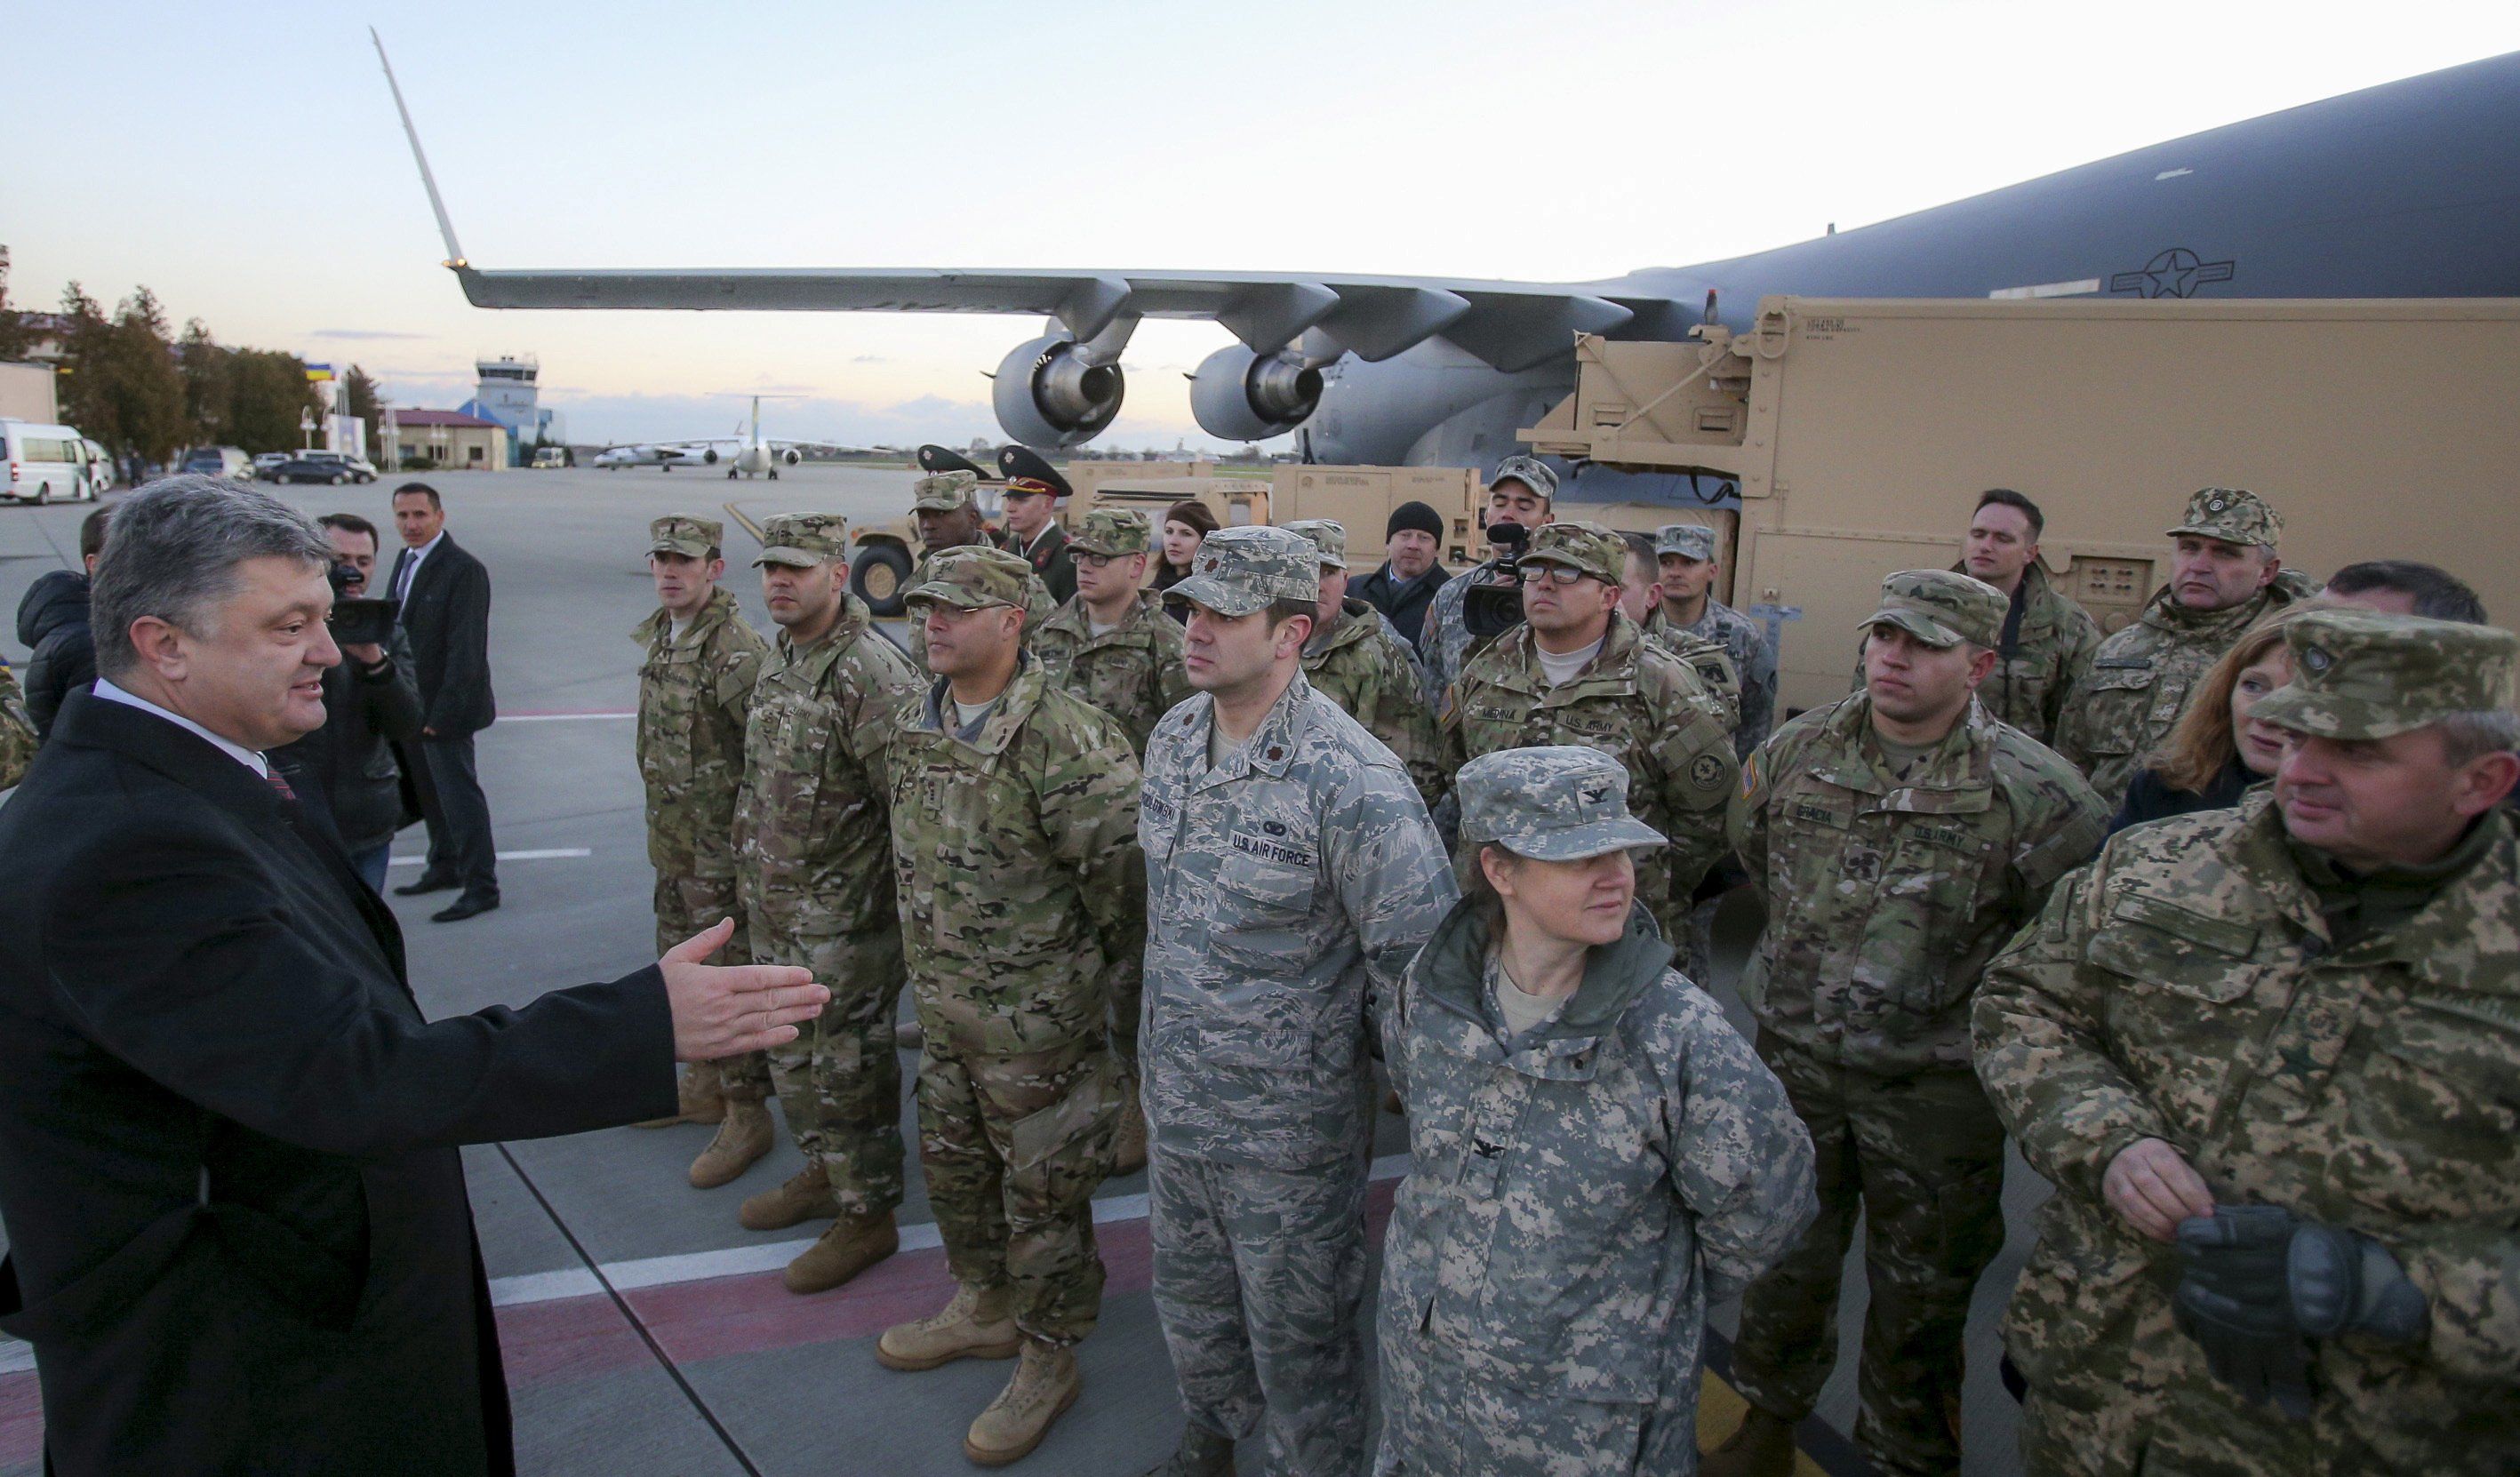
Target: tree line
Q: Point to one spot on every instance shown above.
(131, 383)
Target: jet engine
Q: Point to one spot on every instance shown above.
(1237, 395)
(792, 455)
(1053, 393)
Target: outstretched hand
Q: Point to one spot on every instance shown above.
(731, 1009)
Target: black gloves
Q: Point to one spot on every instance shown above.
(2259, 1281)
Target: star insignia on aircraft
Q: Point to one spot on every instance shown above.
(2176, 273)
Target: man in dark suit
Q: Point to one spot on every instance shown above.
(238, 1239)
(445, 596)
(1034, 491)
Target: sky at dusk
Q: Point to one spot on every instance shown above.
(244, 160)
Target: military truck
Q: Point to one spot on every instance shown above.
(1860, 433)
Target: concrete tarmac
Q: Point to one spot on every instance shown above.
(646, 1331)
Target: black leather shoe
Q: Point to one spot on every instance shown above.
(429, 882)
(462, 908)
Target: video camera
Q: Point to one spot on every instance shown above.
(358, 623)
(1493, 609)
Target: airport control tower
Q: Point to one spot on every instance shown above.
(508, 394)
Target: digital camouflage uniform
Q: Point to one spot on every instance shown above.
(1023, 899)
(1712, 663)
(1578, 1195)
(1634, 702)
(2137, 685)
(1132, 671)
(1362, 662)
(694, 694)
(1282, 883)
(1446, 644)
(17, 729)
(1745, 644)
(817, 873)
(1887, 894)
(2344, 1047)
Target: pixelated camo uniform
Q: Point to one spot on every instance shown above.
(1708, 658)
(1132, 671)
(1022, 897)
(1577, 1199)
(817, 851)
(2191, 987)
(1365, 666)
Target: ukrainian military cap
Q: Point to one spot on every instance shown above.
(2361, 674)
(1027, 470)
(1585, 548)
(1551, 804)
(686, 535)
(943, 492)
(1688, 540)
(1112, 532)
(1328, 535)
(2233, 515)
(1530, 472)
(803, 539)
(972, 576)
(934, 459)
(1941, 608)
(1240, 570)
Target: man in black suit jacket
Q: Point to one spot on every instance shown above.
(238, 1239)
(445, 596)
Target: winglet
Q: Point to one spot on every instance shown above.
(445, 228)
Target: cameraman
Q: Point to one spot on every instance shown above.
(368, 700)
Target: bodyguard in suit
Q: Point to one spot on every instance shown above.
(445, 596)
(238, 1239)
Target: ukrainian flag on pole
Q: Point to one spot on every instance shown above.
(319, 372)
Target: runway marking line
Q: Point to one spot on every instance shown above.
(547, 854)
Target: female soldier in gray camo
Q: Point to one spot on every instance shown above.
(1596, 1155)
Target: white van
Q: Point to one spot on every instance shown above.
(47, 464)
(100, 470)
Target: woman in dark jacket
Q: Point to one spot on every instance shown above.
(1187, 525)
(2215, 753)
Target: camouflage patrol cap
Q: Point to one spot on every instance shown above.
(1328, 535)
(2233, 515)
(1588, 548)
(1551, 804)
(686, 535)
(1240, 570)
(945, 492)
(2361, 674)
(1941, 608)
(1688, 540)
(803, 539)
(972, 576)
(1112, 532)
(1530, 472)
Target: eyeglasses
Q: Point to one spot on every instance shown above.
(1561, 575)
(1100, 561)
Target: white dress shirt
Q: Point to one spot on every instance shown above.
(237, 751)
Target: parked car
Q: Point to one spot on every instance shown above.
(217, 462)
(46, 463)
(361, 469)
(264, 461)
(100, 469)
(548, 457)
(310, 470)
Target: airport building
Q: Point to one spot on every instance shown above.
(507, 393)
(450, 439)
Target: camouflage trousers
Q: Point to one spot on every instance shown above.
(1127, 1000)
(1441, 1420)
(1014, 1147)
(687, 903)
(1923, 1157)
(839, 1081)
(1258, 1277)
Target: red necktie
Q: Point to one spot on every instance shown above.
(280, 786)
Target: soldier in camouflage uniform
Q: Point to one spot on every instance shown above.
(1113, 645)
(2268, 1057)
(1357, 659)
(1289, 865)
(817, 873)
(1899, 838)
(1022, 894)
(18, 731)
(1596, 1156)
(2224, 574)
(1690, 623)
(1523, 491)
(1636, 702)
(695, 691)
(2047, 638)
(945, 510)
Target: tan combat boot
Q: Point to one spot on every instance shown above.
(1128, 1136)
(1045, 1384)
(975, 1324)
(806, 1197)
(1763, 1447)
(1202, 1453)
(699, 1099)
(853, 1244)
(741, 1142)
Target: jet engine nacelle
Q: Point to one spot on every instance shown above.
(1237, 395)
(792, 455)
(1048, 395)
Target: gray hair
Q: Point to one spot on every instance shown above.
(2469, 737)
(174, 552)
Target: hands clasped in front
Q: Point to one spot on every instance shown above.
(727, 1011)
